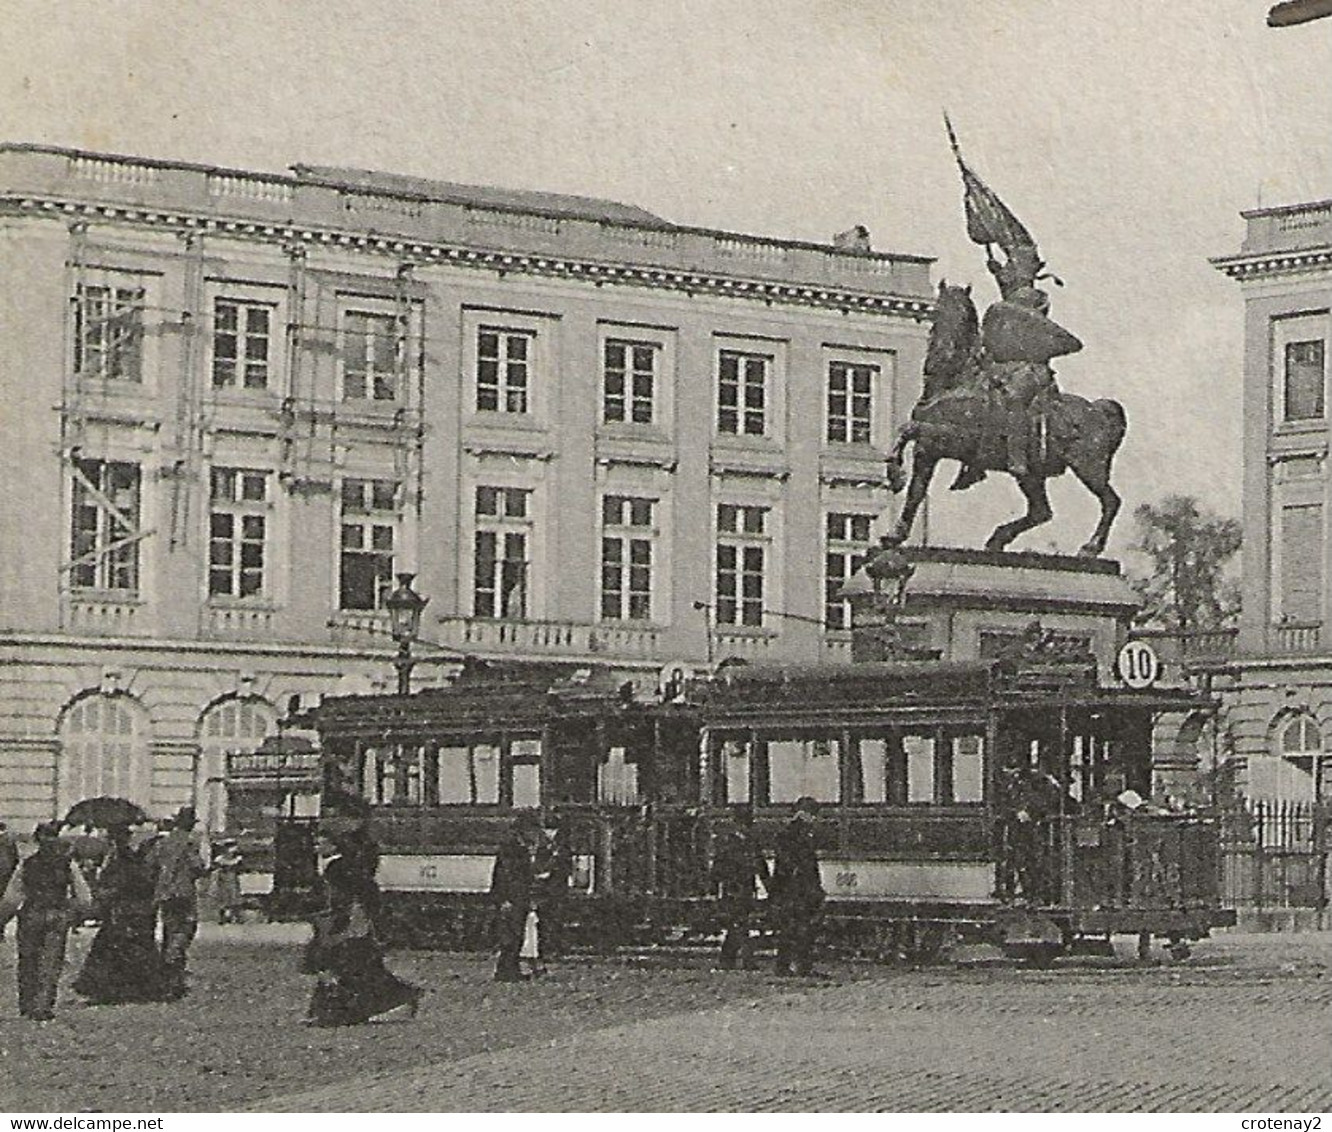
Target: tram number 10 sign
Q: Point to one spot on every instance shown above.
(1138, 665)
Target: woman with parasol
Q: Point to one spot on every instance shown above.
(124, 963)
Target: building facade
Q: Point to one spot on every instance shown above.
(236, 405)
(1279, 717)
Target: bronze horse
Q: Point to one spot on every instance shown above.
(956, 417)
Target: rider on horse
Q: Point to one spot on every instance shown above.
(1018, 339)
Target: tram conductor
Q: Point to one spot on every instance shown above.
(738, 865)
(513, 891)
(796, 892)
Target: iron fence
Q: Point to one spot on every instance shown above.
(1274, 856)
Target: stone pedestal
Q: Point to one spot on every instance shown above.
(977, 604)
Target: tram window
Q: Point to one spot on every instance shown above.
(526, 785)
(617, 780)
(1079, 768)
(873, 770)
(968, 768)
(468, 775)
(799, 768)
(377, 776)
(919, 751)
(486, 772)
(734, 756)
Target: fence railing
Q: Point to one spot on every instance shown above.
(1274, 855)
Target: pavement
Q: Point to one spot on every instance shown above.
(1240, 1026)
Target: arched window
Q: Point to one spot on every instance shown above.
(234, 726)
(104, 751)
(1291, 773)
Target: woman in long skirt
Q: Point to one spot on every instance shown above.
(124, 963)
(354, 985)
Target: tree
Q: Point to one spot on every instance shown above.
(1187, 550)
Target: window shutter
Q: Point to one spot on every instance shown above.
(1302, 563)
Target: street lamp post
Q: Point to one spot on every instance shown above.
(404, 607)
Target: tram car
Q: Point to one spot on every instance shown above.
(986, 801)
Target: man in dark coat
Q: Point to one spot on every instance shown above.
(178, 862)
(553, 865)
(512, 890)
(737, 865)
(797, 892)
(49, 884)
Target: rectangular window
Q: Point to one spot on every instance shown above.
(851, 402)
(800, 768)
(1304, 380)
(734, 758)
(237, 532)
(503, 369)
(104, 535)
(629, 381)
(468, 775)
(968, 765)
(626, 558)
(108, 332)
(847, 544)
(742, 393)
(1301, 551)
(501, 549)
(370, 519)
(373, 348)
(920, 768)
(242, 341)
(741, 558)
(525, 773)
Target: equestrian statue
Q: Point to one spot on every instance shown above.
(990, 400)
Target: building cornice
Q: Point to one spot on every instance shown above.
(427, 253)
(1292, 261)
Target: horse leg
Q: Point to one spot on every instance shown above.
(1038, 512)
(1100, 487)
(922, 471)
(909, 432)
(1091, 466)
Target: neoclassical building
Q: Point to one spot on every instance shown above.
(1280, 715)
(236, 404)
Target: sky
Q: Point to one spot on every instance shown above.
(1126, 134)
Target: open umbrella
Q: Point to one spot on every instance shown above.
(104, 812)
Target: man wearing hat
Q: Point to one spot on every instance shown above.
(177, 860)
(797, 892)
(738, 865)
(44, 891)
(512, 890)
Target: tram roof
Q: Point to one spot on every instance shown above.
(512, 696)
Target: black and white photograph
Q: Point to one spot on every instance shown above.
(611, 556)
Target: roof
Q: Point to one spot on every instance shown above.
(484, 196)
(488, 698)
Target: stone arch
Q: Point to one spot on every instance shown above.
(1289, 766)
(105, 749)
(231, 724)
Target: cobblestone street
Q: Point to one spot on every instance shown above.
(1241, 1026)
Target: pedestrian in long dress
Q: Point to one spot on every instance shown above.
(227, 863)
(45, 892)
(513, 891)
(177, 860)
(354, 986)
(797, 895)
(124, 963)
